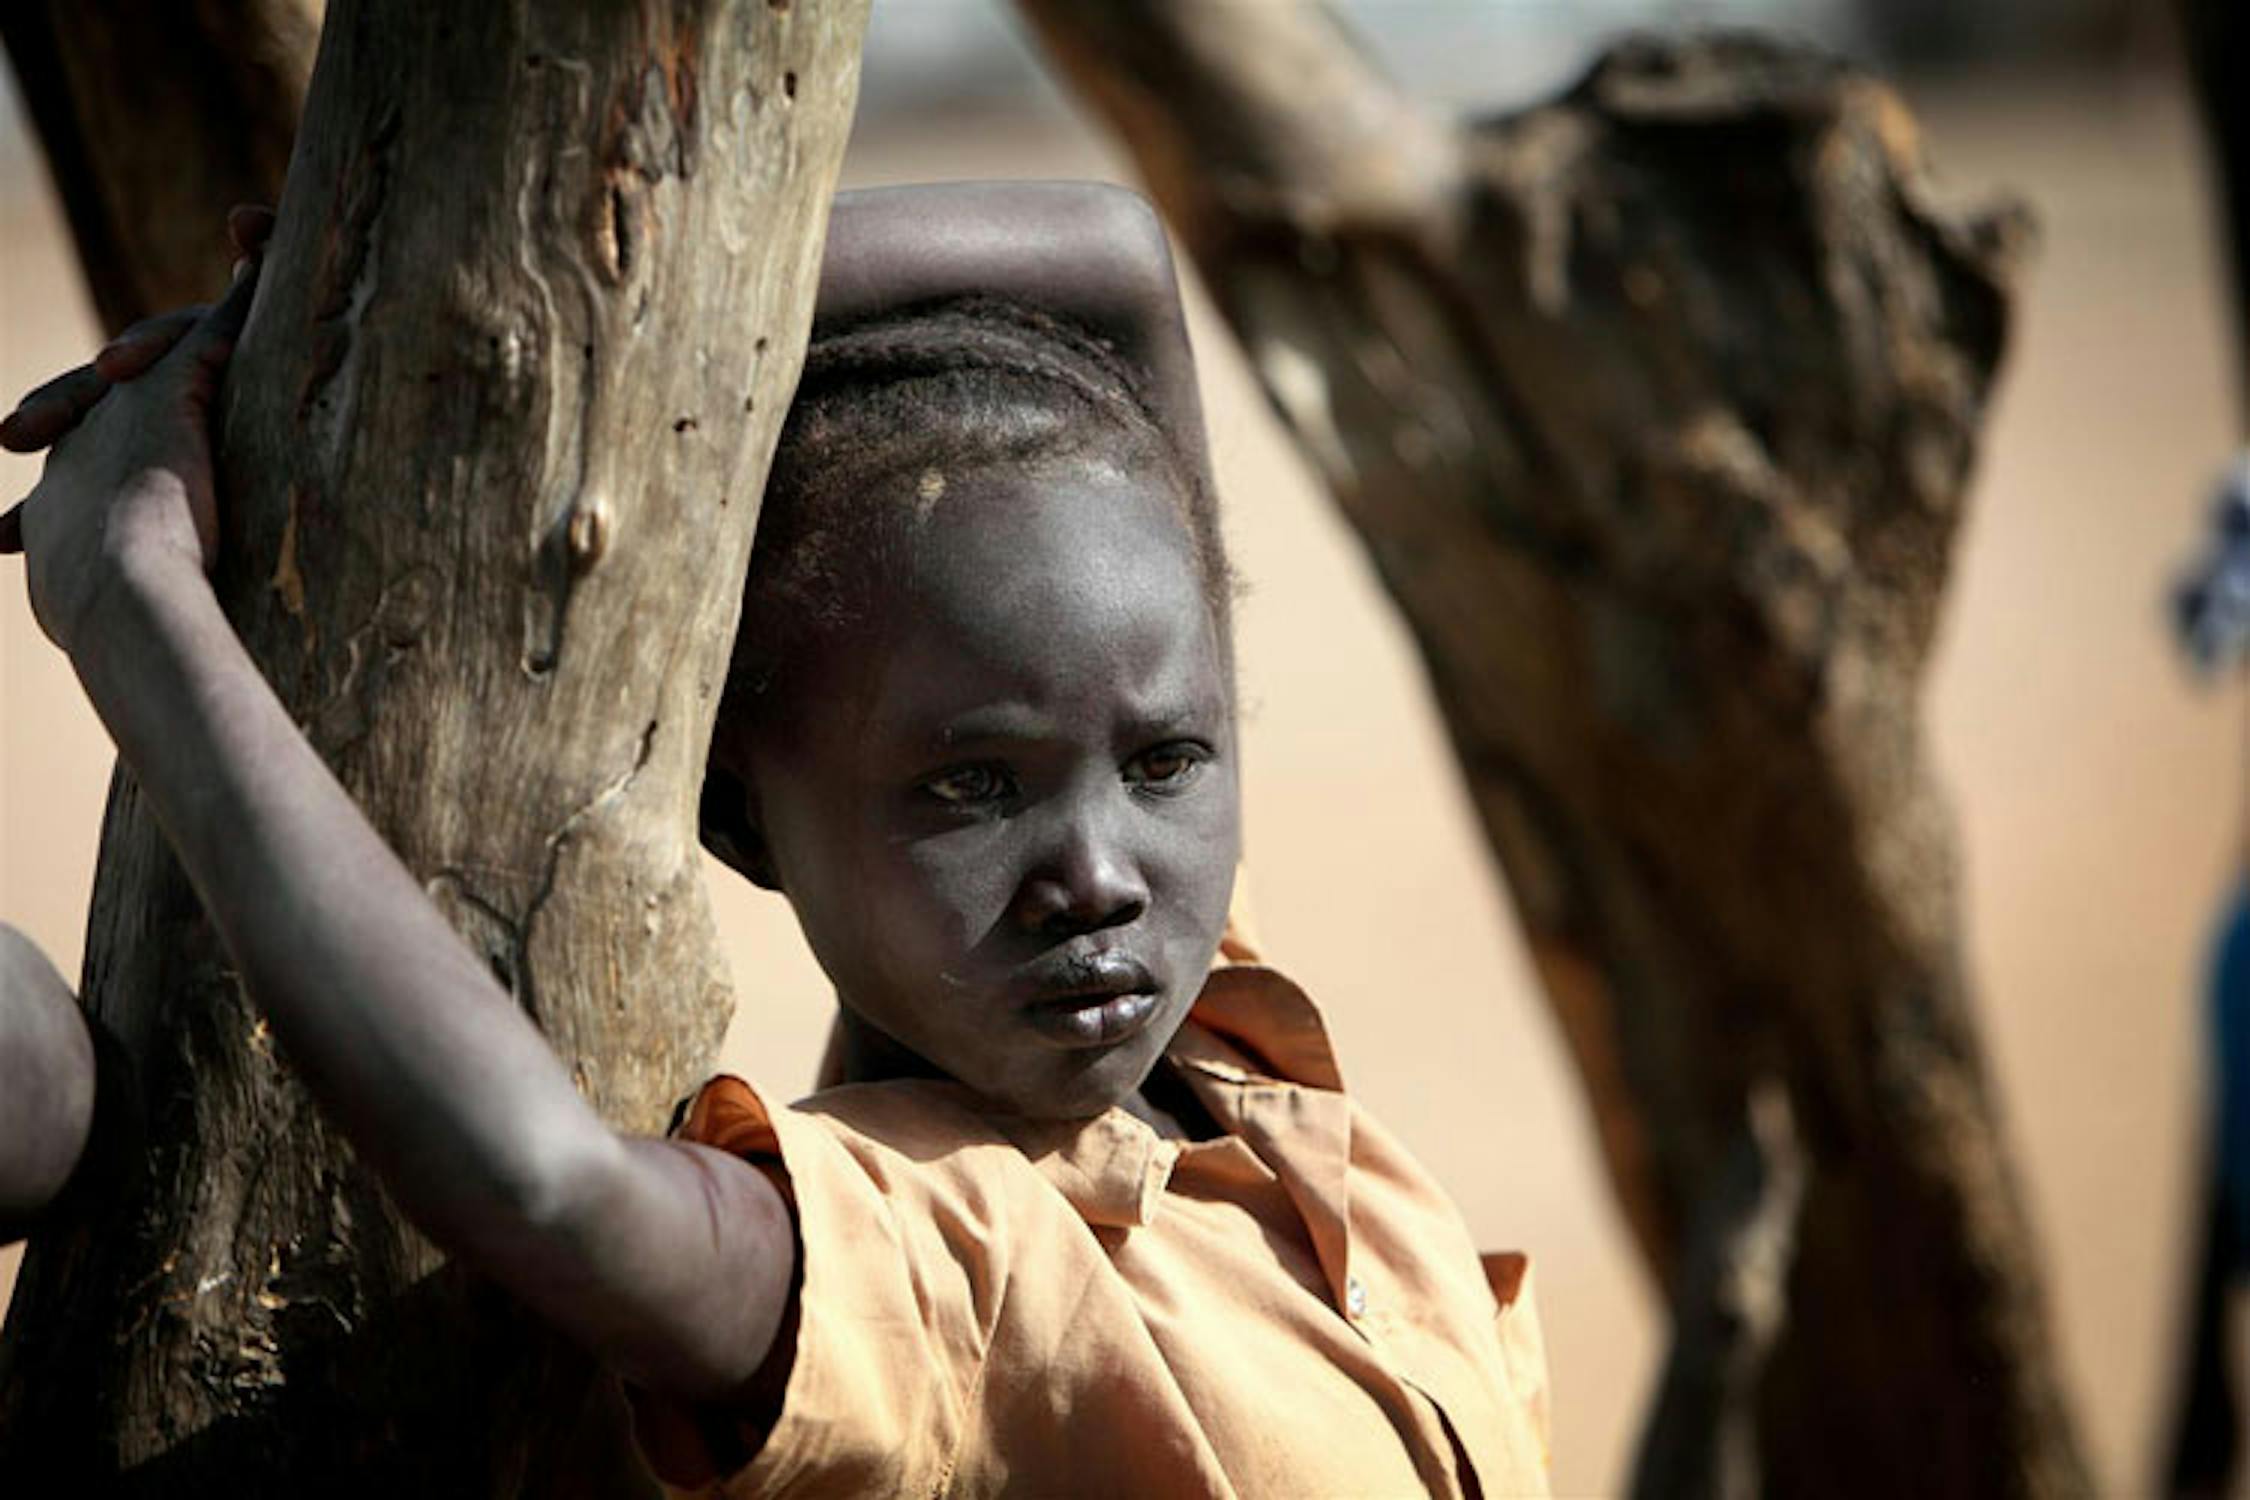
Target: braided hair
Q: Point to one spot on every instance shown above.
(888, 414)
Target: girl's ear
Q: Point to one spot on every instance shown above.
(728, 821)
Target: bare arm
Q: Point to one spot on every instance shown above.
(671, 1262)
(46, 1083)
(1089, 251)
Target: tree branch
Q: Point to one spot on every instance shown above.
(1654, 407)
(155, 118)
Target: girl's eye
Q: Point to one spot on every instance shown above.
(1167, 768)
(969, 786)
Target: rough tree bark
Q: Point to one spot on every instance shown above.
(156, 116)
(493, 446)
(1654, 407)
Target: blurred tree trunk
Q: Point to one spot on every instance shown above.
(156, 116)
(493, 446)
(1654, 408)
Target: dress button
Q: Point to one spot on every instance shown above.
(1355, 1297)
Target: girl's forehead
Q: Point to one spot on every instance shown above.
(1069, 566)
(1082, 587)
(1017, 550)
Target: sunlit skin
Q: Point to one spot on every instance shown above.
(1008, 816)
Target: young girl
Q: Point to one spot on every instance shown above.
(1085, 1208)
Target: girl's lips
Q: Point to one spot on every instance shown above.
(1095, 1019)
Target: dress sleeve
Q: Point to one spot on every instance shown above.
(898, 1264)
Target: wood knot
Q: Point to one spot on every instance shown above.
(618, 224)
(588, 536)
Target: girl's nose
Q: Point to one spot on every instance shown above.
(1087, 881)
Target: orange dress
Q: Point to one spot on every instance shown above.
(994, 1305)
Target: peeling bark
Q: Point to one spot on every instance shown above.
(492, 472)
(1654, 407)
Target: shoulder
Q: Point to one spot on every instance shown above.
(906, 1178)
(903, 1263)
(903, 1139)
(913, 1214)
(908, 1111)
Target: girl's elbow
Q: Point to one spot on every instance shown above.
(1131, 226)
(672, 1266)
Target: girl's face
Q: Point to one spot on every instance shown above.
(1006, 806)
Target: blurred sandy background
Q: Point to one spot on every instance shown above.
(2098, 794)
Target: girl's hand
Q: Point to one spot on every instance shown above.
(43, 417)
(128, 484)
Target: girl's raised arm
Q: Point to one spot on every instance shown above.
(1088, 251)
(671, 1262)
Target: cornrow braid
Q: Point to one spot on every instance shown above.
(971, 333)
(888, 413)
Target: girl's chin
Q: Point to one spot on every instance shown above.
(1095, 1087)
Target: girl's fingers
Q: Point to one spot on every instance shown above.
(132, 352)
(42, 417)
(45, 415)
(196, 360)
(222, 322)
(11, 529)
(249, 225)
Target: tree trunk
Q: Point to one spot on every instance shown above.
(1654, 407)
(156, 116)
(493, 446)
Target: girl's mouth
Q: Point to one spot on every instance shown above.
(1091, 999)
(1092, 1019)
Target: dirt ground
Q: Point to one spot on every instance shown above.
(2098, 793)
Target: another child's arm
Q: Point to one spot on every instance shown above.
(1094, 253)
(46, 1083)
(671, 1262)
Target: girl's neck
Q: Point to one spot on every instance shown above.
(1166, 1102)
(860, 1053)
